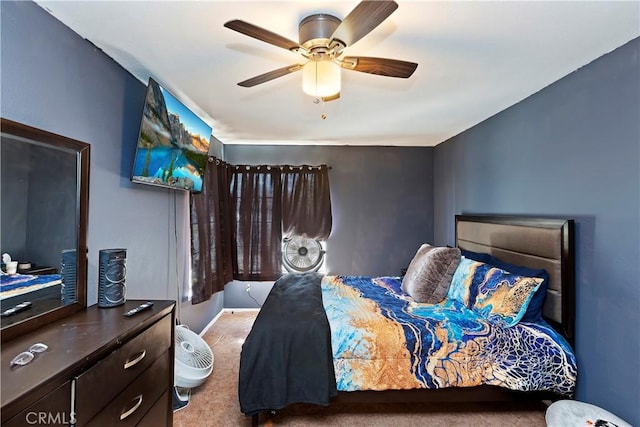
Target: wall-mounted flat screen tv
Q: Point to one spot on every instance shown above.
(173, 143)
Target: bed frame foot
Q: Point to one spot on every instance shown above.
(255, 418)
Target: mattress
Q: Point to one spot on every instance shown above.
(19, 284)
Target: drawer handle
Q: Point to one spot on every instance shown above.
(133, 408)
(133, 362)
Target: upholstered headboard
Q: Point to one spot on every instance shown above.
(530, 242)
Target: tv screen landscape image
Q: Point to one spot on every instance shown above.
(173, 143)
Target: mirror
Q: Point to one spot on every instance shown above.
(44, 203)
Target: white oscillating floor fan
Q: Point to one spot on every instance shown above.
(193, 364)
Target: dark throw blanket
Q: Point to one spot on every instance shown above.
(287, 356)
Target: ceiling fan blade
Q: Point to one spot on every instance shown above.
(262, 34)
(366, 16)
(379, 66)
(270, 75)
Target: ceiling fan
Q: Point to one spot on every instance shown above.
(323, 39)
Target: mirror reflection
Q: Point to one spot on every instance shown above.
(38, 202)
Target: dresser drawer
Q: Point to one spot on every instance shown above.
(161, 414)
(104, 381)
(132, 403)
(52, 410)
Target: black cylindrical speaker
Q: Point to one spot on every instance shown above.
(111, 280)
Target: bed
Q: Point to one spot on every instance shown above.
(320, 339)
(14, 287)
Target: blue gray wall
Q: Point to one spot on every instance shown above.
(38, 193)
(54, 80)
(381, 199)
(571, 150)
(14, 185)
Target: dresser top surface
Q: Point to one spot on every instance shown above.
(72, 342)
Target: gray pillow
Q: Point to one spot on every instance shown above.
(429, 275)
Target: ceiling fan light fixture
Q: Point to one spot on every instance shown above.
(321, 79)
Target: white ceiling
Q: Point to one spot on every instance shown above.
(475, 59)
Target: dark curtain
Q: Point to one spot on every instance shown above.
(211, 243)
(306, 202)
(256, 206)
(240, 217)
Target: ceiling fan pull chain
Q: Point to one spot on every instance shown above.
(319, 100)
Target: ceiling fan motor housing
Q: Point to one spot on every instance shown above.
(316, 30)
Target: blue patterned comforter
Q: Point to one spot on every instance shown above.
(18, 284)
(381, 339)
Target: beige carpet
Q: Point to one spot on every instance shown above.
(215, 403)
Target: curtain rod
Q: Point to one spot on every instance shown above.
(281, 167)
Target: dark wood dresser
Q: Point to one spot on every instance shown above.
(101, 369)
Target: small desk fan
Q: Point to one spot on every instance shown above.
(193, 364)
